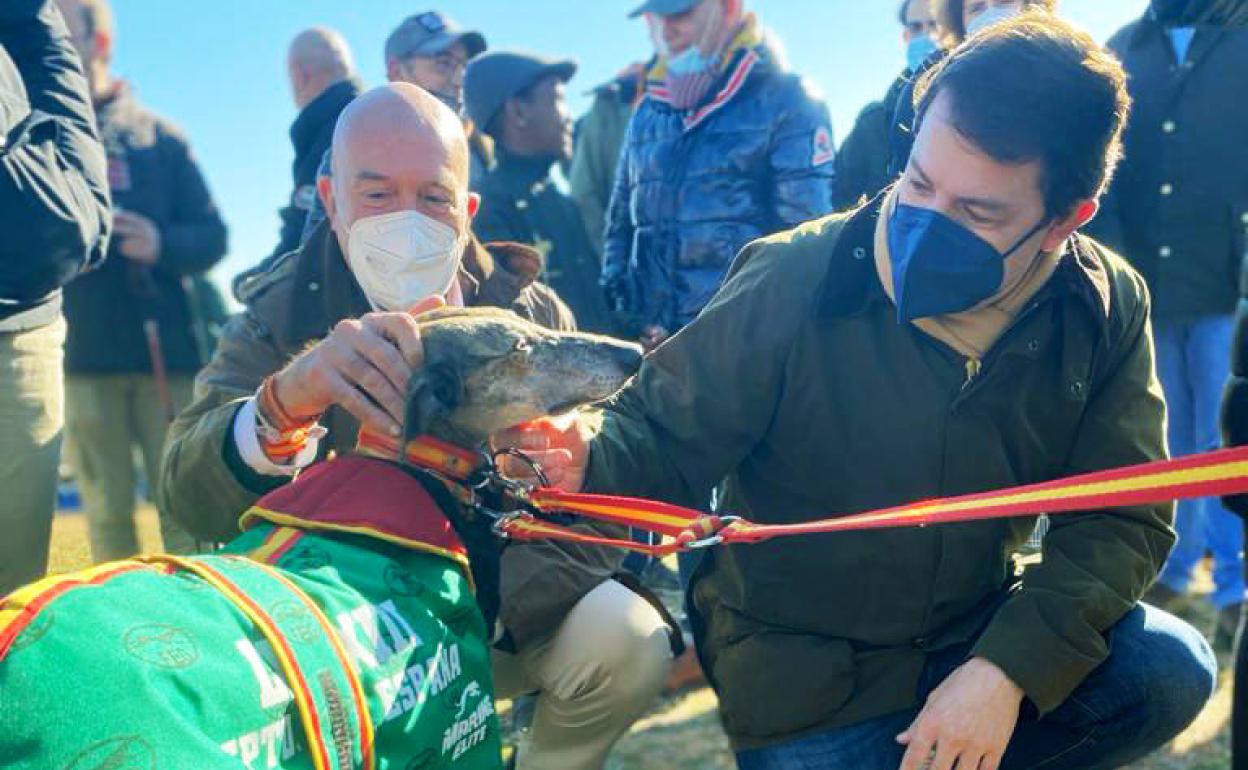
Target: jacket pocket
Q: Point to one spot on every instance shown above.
(773, 683)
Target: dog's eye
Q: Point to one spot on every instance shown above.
(522, 346)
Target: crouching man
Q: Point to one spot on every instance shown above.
(326, 345)
(955, 335)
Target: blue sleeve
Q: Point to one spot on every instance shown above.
(801, 158)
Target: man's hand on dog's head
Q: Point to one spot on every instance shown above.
(363, 366)
(560, 445)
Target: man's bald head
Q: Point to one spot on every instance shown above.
(397, 147)
(317, 58)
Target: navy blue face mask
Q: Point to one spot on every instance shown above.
(939, 266)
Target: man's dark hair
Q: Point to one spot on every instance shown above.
(1037, 89)
(902, 11)
(949, 16)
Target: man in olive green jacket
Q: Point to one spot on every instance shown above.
(953, 336)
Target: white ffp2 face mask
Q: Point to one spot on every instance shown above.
(402, 257)
(989, 17)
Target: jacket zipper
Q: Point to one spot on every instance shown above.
(975, 367)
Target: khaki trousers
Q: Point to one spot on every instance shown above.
(107, 416)
(599, 672)
(31, 418)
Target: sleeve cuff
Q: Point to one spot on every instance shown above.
(1044, 663)
(249, 451)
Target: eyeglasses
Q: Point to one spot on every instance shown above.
(445, 63)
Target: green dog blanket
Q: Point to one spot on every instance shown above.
(318, 639)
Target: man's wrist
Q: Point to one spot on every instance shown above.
(254, 447)
(987, 666)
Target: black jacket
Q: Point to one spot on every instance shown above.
(1178, 203)
(152, 173)
(861, 163)
(520, 203)
(54, 206)
(311, 135)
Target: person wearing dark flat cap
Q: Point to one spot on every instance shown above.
(518, 101)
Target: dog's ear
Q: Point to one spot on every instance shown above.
(435, 390)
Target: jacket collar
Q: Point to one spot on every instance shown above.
(1148, 31)
(747, 52)
(854, 286)
(320, 111)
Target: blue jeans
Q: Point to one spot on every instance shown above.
(1159, 674)
(1193, 362)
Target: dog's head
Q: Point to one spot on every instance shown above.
(486, 370)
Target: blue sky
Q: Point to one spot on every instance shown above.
(217, 69)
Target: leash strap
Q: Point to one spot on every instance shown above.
(1212, 474)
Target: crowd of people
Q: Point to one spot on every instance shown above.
(1020, 264)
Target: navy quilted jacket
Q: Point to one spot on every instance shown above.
(693, 187)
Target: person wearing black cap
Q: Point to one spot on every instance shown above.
(725, 147)
(518, 100)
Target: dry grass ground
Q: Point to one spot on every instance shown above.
(682, 732)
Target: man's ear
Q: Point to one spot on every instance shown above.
(393, 70)
(474, 204)
(325, 189)
(1061, 230)
(435, 391)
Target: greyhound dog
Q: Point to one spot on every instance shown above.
(340, 630)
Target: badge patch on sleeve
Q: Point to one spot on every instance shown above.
(823, 150)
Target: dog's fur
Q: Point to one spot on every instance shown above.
(484, 370)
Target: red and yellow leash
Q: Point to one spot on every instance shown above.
(1213, 474)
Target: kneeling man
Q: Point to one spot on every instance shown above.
(953, 336)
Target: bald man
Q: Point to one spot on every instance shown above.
(323, 81)
(327, 326)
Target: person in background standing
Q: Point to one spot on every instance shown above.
(862, 159)
(48, 143)
(518, 100)
(957, 19)
(323, 81)
(725, 147)
(1178, 211)
(430, 51)
(131, 350)
(597, 139)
